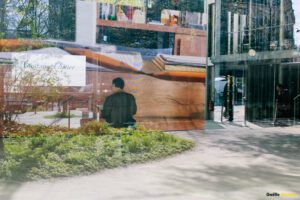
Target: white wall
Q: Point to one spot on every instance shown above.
(86, 14)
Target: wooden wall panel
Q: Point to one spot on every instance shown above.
(162, 104)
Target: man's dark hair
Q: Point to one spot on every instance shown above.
(119, 83)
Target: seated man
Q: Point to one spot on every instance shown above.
(119, 108)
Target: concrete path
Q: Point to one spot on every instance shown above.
(232, 163)
(43, 119)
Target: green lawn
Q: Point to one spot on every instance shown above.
(91, 149)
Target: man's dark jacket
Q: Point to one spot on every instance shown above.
(119, 108)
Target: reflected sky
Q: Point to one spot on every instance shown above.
(296, 7)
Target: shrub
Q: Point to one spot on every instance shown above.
(58, 155)
(34, 130)
(96, 128)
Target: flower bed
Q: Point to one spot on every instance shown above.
(12, 129)
(92, 148)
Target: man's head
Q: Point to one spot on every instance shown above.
(118, 83)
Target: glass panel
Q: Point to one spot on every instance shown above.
(157, 48)
(257, 41)
(265, 25)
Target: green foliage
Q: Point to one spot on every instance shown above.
(46, 156)
(38, 19)
(33, 18)
(17, 130)
(2, 34)
(96, 128)
(3, 21)
(62, 19)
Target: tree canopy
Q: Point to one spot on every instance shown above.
(37, 19)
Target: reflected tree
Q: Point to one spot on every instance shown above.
(62, 19)
(37, 19)
(33, 18)
(3, 24)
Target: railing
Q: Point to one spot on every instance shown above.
(295, 107)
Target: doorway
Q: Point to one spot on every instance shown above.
(230, 95)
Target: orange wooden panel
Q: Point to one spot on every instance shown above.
(102, 60)
(14, 44)
(181, 76)
(162, 104)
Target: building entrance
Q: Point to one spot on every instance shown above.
(261, 93)
(272, 94)
(229, 96)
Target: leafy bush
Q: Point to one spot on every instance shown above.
(34, 130)
(57, 155)
(96, 128)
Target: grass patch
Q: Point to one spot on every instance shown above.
(93, 148)
(61, 115)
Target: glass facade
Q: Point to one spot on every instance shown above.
(138, 38)
(147, 33)
(158, 47)
(256, 42)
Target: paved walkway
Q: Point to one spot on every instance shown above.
(231, 163)
(43, 118)
(239, 112)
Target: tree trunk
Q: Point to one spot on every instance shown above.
(65, 106)
(1, 110)
(1, 100)
(1, 148)
(94, 106)
(58, 106)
